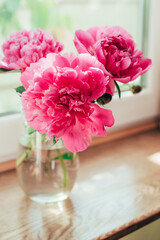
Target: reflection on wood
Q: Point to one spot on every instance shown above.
(117, 192)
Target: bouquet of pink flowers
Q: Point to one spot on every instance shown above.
(61, 94)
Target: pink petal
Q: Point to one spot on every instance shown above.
(110, 87)
(145, 65)
(27, 77)
(97, 84)
(85, 61)
(125, 63)
(83, 41)
(123, 79)
(93, 32)
(100, 52)
(115, 31)
(4, 65)
(57, 60)
(101, 117)
(74, 140)
(70, 56)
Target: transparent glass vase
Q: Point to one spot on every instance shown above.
(46, 171)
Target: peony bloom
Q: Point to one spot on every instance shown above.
(59, 96)
(26, 47)
(115, 49)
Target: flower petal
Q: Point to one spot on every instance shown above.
(74, 140)
(93, 31)
(83, 41)
(101, 117)
(110, 87)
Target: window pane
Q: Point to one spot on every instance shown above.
(62, 18)
(9, 100)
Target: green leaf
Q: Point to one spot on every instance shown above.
(67, 156)
(3, 70)
(20, 89)
(21, 159)
(30, 130)
(54, 140)
(118, 89)
(25, 140)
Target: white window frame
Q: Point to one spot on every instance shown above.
(130, 110)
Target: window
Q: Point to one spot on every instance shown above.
(61, 18)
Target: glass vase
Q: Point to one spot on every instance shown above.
(46, 171)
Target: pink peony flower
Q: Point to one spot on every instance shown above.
(114, 47)
(26, 47)
(59, 96)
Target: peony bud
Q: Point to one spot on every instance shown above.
(104, 99)
(136, 89)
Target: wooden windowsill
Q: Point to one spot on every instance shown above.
(117, 192)
(9, 165)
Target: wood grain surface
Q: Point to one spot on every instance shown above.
(117, 192)
(9, 165)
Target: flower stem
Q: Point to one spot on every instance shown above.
(65, 177)
(47, 164)
(23, 157)
(129, 85)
